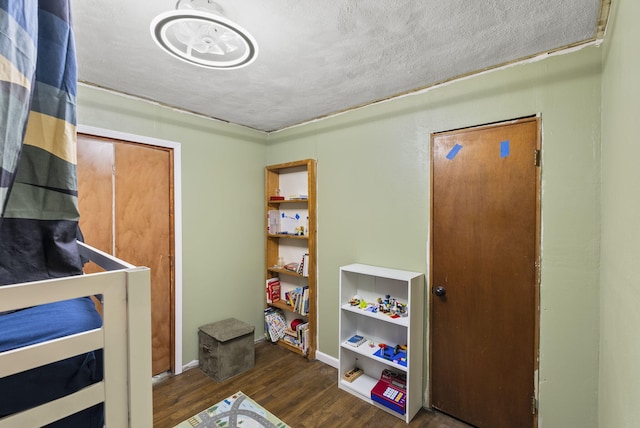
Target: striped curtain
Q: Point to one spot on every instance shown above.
(38, 181)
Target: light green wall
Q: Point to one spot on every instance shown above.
(222, 191)
(373, 203)
(620, 275)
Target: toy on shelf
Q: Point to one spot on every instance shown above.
(358, 301)
(386, 305)
(352, 374)
(396, 354)
(391, 391)
(390, 306)
(355, 300)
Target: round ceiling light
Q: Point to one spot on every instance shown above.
(203, 38)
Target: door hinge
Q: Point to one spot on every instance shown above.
(536, 157)
(534, 405)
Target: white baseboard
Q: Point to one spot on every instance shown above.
(320, 356)
(327, 359)
(191, 365)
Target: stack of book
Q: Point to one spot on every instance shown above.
(298, 337)
(303, 267)
(303, 337)
(298, 197)
(298, 299)
(273, 290)
(274, 324)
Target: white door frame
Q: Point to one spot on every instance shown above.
(177, 213)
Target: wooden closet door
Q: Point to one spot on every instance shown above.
(143, 232)
(95, 195)
(125, 201)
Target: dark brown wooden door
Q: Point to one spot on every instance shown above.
(125, 201)
(484, 252)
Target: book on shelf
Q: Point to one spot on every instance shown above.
(305, 270)
(298, 337)
(298, 299)
(274, 324)
(303, 267)
(300, 266)
(273, 290)
(305, 301)
(302, 334)
(288, 299)
(298, 197)
(355, 340)
(290, 340)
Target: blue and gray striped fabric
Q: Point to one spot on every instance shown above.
(38, 181)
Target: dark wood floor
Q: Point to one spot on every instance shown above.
(301, 393)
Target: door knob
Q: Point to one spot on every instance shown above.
(440, 291)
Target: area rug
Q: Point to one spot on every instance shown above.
(237, 411)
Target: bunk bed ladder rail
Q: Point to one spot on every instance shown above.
(124, 336)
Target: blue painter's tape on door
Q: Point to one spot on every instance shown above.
(454, 151)
(504, 149)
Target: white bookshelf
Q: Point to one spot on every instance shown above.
(370, 283)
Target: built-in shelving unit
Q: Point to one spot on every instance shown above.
(290, 219)
(394, 323)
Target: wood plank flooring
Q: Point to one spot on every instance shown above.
(302, 393)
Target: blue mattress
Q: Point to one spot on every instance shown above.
(37, 386)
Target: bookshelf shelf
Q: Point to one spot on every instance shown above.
(367, 351)
(290, 347)
(400, 339)
(288, 201)
(290, 237)
(285, 272)
(281, 305)
(362, 386)
(403, 321)
(278, 236)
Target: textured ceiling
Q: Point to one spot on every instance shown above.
(321, 57)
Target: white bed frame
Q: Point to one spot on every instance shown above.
(125, 337)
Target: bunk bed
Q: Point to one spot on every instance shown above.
(108, 366)
(65, 361)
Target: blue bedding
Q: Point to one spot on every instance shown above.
(38, 199)
(37, 386)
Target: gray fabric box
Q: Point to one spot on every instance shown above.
(226, 348)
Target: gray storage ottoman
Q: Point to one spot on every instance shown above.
(226, 348)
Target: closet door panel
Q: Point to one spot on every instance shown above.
(143, 232)
(95, 194)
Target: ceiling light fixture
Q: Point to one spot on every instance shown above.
(197, 33)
